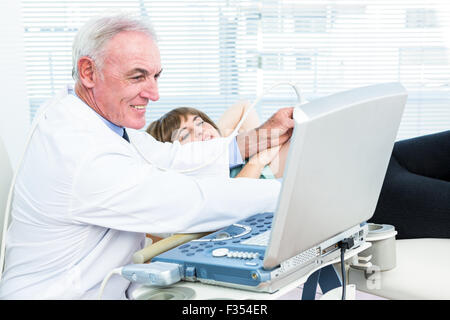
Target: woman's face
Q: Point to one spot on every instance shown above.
(193, 128)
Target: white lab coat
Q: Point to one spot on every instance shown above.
(85, 197)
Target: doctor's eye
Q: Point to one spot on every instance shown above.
(157, 75)
(138, 78)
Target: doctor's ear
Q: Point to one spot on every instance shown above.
(87, 72)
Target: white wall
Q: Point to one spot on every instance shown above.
(14, 109)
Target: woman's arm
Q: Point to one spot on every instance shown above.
(256, 164)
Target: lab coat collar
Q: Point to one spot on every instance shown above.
(85, 113)
(112, 126)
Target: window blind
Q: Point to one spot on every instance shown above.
(217, 52)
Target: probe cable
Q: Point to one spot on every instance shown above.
(106, 279)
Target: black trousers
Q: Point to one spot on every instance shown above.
(415, 197)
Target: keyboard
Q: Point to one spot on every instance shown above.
(234, 257)
(261, 239)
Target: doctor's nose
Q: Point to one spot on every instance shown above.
(150, 90)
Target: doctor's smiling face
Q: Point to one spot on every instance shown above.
(126, 80)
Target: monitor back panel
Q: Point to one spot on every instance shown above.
(335, 168)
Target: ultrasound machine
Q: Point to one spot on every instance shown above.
(338, 157)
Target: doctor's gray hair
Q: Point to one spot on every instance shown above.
(92, 37)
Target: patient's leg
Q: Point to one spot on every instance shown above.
(418, 206)
(231, 117)
(415, 196)
(427, 155)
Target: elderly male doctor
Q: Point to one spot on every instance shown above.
(88, 191)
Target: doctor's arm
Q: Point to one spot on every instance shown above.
(116, 191)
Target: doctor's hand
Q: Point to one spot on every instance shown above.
(274, 132)
(279, 126)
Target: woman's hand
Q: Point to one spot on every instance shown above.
(256, 164)
(264, 157)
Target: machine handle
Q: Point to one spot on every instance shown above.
(163, 245)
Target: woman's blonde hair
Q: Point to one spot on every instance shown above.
(164, 128)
